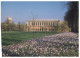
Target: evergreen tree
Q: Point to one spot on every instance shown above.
(72, 15)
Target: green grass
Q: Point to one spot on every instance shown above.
(13, 37)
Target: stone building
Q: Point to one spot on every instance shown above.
(41, 25)
(9, 20)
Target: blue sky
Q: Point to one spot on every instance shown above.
(23, 11)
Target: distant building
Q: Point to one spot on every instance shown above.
(41, 25)
(9, 20)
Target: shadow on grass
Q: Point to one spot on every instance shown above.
(6, 41)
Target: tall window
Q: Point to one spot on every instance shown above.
(49, 23)
(42, 23)
(53, 23)
(38, 23)
(33, 23)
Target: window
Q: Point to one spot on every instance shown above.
(38, 23)
(33, 23)
(55, 23)
(49, 23)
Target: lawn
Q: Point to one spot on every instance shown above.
(13, 37)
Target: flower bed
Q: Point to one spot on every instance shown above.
(62, 44)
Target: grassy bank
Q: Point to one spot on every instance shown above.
(13, 37)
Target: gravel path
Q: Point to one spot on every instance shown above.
(62, 44)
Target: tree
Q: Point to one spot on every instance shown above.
(11, 27)
(71, 15)
(63, 26)
(23, 27)
(19, 26)
(33, 18)
(4, 26)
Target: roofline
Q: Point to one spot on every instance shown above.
(44, 20)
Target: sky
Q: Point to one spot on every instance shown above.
(21, 11)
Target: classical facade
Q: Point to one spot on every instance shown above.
(41, 25)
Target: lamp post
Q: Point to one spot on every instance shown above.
(57, 26)
(33, 29)
(45, 28)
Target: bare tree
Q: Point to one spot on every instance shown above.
(33, 19)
